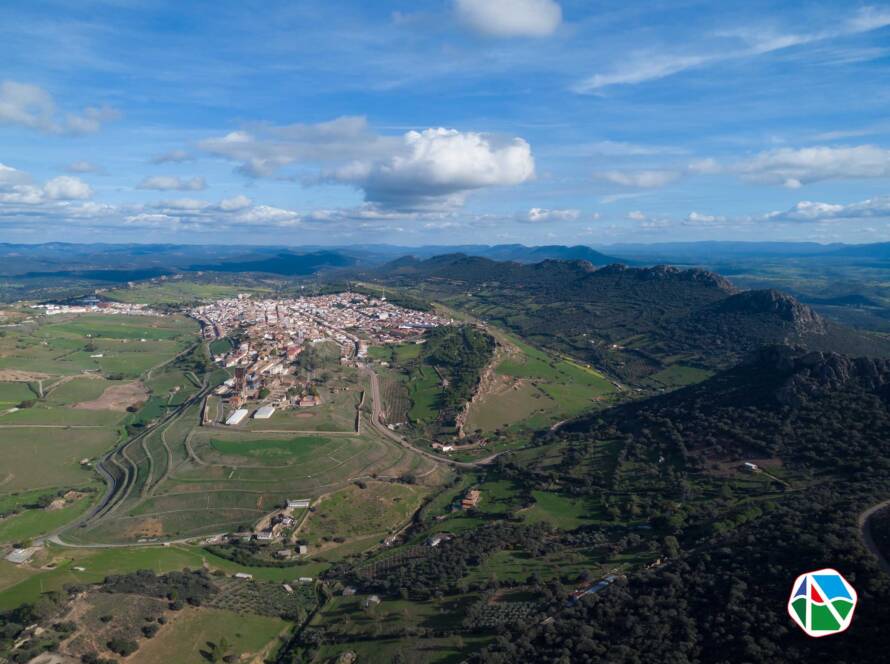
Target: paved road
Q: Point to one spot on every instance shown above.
(376, 422)
(868, 539)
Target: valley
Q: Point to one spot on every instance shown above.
(453, 463)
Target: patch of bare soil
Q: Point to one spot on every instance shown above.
(15, 375)
(146, 528)
(117, 397)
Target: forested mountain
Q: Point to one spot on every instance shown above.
(821, 419)
(631, 322)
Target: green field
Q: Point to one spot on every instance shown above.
(533, 390)
(183, 641)
(293, 450)
(35, 522)
(13, 393)
(19, 584)
(424, 390)
(57, 451)
(353, 512)
(562, 511)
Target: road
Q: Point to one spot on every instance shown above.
(868, 540)
(115, 485)
(377, 423)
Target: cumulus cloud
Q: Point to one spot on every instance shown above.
(645, 179)
(267, 215)
(510, 18)
(172, 157)
(420, 168)
(264, 149)
(173, 183)
(18, 188)
(67, 188)
(12, 176)
(544, 215)
(33, 107)
(439, 166)
(239, 202)
(796, 167)
(637, 215)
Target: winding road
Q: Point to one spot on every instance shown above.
(382, 429)
(866, 535)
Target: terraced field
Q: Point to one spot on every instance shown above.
(180, 479)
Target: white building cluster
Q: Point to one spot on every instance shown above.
(272, 334)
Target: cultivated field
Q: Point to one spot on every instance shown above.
(530, 389)
(68, 384)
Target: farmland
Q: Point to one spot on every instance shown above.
(355, 512)
(64, 368)
(183, 641)
(532, 389)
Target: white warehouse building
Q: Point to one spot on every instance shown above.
(237, 417)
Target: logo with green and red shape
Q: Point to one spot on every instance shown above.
(822, 602)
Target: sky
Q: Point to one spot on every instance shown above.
(444, 121)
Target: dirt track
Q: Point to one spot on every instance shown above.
(869, 541)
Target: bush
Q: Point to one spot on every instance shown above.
(122, 646)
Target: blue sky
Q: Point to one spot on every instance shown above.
(447, 121)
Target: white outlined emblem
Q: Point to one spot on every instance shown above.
(822, 602)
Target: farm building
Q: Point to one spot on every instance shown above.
(471, 499)
(237, 417)
(264, 413)
(299, 503)
(750, 467)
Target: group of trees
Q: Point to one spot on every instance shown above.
(192, 587)
(460, 353)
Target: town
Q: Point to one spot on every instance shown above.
(269, 336)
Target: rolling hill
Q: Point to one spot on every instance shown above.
(631, 322)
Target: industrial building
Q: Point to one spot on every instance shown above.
(237, 417)
(264, 413)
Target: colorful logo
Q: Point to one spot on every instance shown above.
(822, 602)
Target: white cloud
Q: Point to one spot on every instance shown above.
(173, 183)
(439, 166)
(510, 18)
(67, 188)
(234, 203)
(265, 149)
(646, 179)
(707, 166)
(33, 107)
(83, 167)
(173, 156)
(695, 218)
(183, 204)
(746, 42)
(796, 167)
(544, 215)
(12, 176)
(815, 212)
(151, 219)
(637, 215)
(267, 215)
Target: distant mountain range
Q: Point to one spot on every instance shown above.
(631, 322)
(111, 262)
